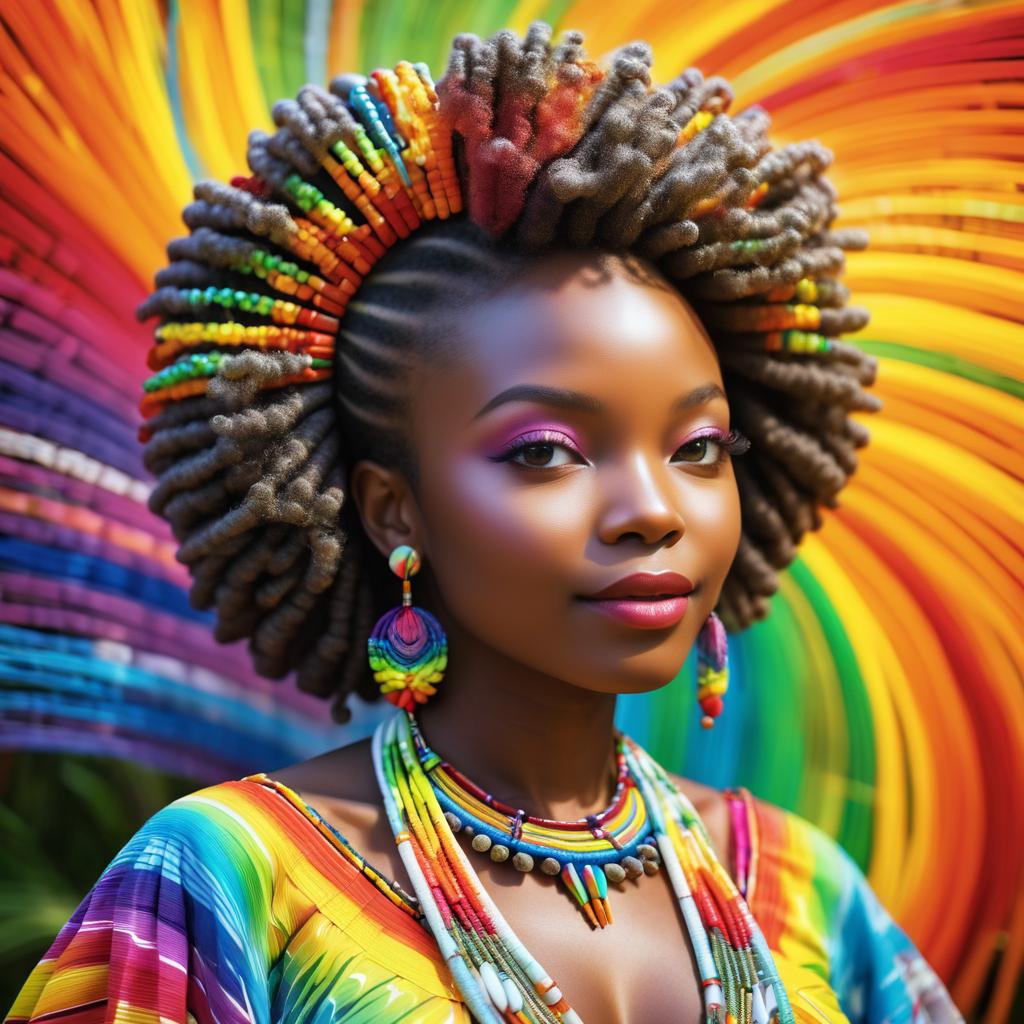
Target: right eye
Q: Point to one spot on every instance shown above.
(536, 449)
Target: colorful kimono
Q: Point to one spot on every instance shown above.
(240, 903)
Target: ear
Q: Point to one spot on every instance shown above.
(386, 505)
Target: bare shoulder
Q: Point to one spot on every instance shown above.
(344, 774)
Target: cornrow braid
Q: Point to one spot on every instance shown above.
(291, 319)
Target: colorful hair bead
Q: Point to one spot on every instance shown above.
(395, 166)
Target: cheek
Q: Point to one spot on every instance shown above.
(496, 540)
(712, 514)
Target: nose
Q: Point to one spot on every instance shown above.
(641, 501)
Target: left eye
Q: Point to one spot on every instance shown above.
(699, 448)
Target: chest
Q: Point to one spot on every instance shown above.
(639, 969)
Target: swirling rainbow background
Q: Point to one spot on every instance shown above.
(882, 698)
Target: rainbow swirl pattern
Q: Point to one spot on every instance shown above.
(881, 699)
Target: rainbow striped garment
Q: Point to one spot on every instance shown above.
(240, 903)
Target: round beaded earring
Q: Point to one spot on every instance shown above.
(712, 669)
(408, 649)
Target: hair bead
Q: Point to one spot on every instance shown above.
(256, 305)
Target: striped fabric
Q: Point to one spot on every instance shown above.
(239, 903)
(840, 954)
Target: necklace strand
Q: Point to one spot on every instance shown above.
(609, 846)
(499, 978)
(732, 955)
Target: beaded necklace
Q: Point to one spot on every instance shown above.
(610, 846)
(499, 978)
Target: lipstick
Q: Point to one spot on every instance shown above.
(645, 600)
(650, 614)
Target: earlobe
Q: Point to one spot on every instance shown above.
(385, 506)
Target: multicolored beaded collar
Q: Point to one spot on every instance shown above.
(499, 978)
(610, 846)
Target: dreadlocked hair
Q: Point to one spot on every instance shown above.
(291, 314)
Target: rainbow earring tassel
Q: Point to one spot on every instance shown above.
(712, 669)
(408, 649)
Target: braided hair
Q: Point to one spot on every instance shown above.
(312, 317)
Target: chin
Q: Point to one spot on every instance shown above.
(645, 684)
(631, 678)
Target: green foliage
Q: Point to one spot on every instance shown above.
(62, 820)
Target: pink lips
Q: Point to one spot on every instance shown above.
(649, 614)
(646, 600)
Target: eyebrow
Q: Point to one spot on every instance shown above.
(581, 402)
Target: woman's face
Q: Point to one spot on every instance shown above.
(528, 502)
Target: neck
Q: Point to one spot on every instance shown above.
(527, 738)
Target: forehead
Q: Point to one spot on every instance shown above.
(621, 333)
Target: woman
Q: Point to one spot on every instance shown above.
(466, 335)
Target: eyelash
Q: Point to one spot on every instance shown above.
(732, 443)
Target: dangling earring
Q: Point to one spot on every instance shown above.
(408, 649)
(712, 669)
